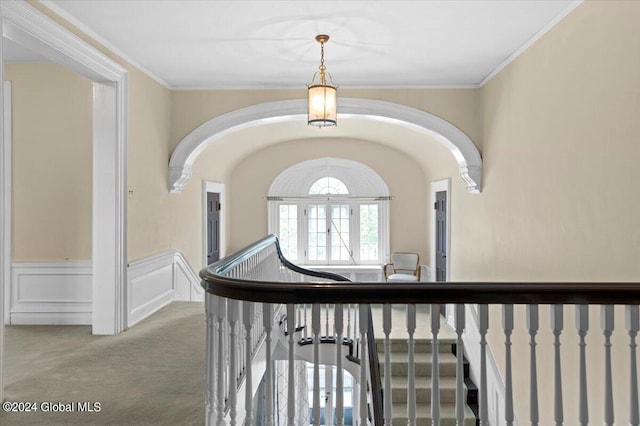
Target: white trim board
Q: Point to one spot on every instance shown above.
(6, 209)
(452, 138)
(51, 293)
(25, 25)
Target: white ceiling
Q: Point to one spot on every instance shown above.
(270, 44)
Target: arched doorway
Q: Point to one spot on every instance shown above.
(453, 139)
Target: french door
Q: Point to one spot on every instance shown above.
(328, 233)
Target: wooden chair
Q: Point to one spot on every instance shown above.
(403, 267)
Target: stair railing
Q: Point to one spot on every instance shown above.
(260, 276)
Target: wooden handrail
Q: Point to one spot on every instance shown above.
(626, 293)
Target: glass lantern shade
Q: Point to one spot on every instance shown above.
(322, 105)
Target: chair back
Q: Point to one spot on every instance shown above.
(405, 262)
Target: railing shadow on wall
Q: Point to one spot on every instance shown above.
(273, 300)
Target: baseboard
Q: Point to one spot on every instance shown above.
(158, 280)
(61, 292)
(51, 293)
(187, 281)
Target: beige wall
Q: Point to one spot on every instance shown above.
(560, 198)
(52, 158)
(558, 130)
(219, 161)
(149, 215)
(251, 179)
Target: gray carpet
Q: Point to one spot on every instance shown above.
(152, 374)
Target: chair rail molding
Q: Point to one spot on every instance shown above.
(158, 280)
(455, 140)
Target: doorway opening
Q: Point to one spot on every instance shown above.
(440, 230)
(214, 222)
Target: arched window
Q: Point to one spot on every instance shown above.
(328, 185)
(330, 211)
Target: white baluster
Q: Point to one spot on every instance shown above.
(221, 314)
(211, 358)
(483, 319)
(557, 323)
(364, 321)
(386, 327)
(607, 325)
(435, 366)
(267, 323)
(338, 323)
(460, 401)
(248, 316)
(291, 382)
(507, 326)
(349, 324)
(326, 320)
(233, 307)
(632, 323)
(306, 326)
(411, 383)
(315, 329)
(532, 326)
(582, 325)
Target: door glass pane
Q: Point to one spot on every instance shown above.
(317, 229)
(369, 232)
(288, 231)
(340, 232)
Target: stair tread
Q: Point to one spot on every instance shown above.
(402, 382)
(399, 410)
(443, 358)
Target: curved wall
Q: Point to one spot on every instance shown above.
(408, 185)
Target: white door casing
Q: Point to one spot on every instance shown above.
(438, 186)
(25, 25)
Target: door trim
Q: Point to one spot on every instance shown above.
(439, 186)
(220, 189)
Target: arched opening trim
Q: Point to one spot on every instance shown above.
(455, 140)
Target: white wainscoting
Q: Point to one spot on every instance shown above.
(61, 292)
(158, 280)
(51, 293)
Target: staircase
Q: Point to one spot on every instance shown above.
(423, 368)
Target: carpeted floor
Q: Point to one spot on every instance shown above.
(153, 374)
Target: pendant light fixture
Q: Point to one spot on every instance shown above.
(322, 97)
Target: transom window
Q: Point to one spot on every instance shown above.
(328, 185)
(330, 218)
